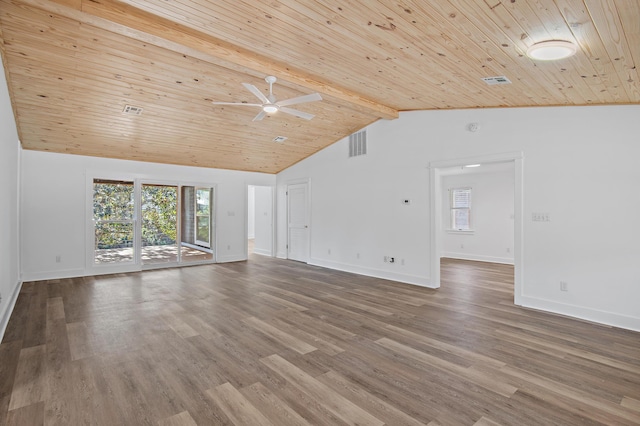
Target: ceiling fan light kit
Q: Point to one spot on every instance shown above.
(270, 105)
(551, 50)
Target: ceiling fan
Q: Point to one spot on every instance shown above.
(270, 105)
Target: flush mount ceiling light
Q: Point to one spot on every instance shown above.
(473, 165)
(270, 108)
(551, 50)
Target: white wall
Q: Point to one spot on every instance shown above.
(9, 206)
(55, 207)
(251, 212)
(580, 166)
(491, 217)
(263, 220)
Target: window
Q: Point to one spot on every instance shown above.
(460, 209)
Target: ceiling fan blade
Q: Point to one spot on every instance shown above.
(235, 103)
(297, 113)
(300, 99)
(253, 89)
(260, 116)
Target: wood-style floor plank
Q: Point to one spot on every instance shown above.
(28, 387)
(237, 407)
(180, 419)
(277, 411)
(342, 408)
(277, 342)
(32, 415)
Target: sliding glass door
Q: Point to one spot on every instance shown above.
(150, 225)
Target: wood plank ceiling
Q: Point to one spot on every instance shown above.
(73, 65)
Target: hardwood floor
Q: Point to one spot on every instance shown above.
(273, 342)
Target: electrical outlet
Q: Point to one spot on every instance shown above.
(357, 255)
(461, 246)
(329, 251)
(228, 246)
(386, 259)
(0, 298)
(508, 249)
(564, 286)
(402, 262)
(58, 258)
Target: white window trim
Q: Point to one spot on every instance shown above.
(451, 230)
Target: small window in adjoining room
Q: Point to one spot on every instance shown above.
(460, 209)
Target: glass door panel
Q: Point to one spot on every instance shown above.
(196, 224)
(203, 217)
(113, 219)
(159, 226)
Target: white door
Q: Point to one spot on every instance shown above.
(298, 214)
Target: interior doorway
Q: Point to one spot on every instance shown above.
(442, 212)
(260, 216)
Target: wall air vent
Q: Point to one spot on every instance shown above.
(132, 110)
(358, 143)
(280, 139)
(492, 81)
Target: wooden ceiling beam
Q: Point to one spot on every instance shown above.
(124, 19)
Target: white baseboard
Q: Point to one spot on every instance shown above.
(479, 258)
(231, 258)
(8, 310)
(54, 275)
(372, 272)
(593, 315)
(262, 252)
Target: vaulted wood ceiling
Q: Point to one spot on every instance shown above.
(73, 65)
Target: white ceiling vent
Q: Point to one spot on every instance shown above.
(280, 139)
(358, 143)
(133, 110)
(492, 81)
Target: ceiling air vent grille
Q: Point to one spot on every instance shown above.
(358, 144)
(492, 81)
(133, 110)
